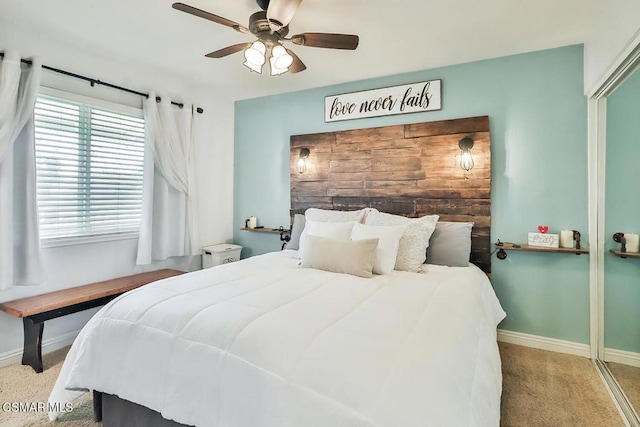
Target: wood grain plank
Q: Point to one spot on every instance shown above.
(344, 184)
(349, 165)
(351, 155)
(445, 127)
(370, 134)
(383, 145)
(346, 176)
(350, 203)
(309, 188)
(304, 202)
(316, 140)
(408, 175)
(391, 185)
(441, 183)
(398, 206)
(395, 164)
(396, 152)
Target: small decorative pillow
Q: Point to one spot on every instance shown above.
(325, 215)
(353, 257)
(450, 244)
(412, 250)
(389, 240)
(328, 230)
(296, 231)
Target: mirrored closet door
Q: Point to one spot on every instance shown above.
(621, 285)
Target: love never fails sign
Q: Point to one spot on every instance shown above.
(411, 98)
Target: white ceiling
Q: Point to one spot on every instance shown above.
(395, 36)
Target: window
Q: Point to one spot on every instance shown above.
(89, 167)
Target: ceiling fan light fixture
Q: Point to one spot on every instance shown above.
(253, 67)
(282, 59)
(255, 54)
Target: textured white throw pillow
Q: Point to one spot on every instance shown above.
(328, 230)
(412, 250)
(353, 257)
(388, 242)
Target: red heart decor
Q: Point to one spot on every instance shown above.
(543, 228)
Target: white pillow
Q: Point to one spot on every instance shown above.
(388, 242)
(412, 250)
(328, 230)
(340, 256)
(325, 215)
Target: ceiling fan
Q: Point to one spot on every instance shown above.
(271, 26)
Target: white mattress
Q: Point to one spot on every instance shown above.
(263, 342)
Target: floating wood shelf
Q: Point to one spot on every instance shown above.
(284, 234)
(619, 253)
(265, 230)
(522, 247)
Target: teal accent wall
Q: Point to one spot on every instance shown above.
(538, 119)
(622, 214)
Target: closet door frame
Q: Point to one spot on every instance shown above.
(622, 68)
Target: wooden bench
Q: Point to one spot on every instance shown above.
(35, 310)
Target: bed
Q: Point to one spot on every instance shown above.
(263, 342)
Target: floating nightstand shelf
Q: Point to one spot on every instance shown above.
(622, 252)
(503, 247)
(284, 236)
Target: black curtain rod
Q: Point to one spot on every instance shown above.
(99, 82)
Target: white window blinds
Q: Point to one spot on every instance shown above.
(89, 164)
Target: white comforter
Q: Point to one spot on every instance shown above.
(263, 342)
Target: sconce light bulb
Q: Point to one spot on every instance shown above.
(302, 165)
(466, 161)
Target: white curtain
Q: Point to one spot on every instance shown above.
(20, 259)
(169, 216)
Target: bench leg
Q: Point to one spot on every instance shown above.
(32, 352)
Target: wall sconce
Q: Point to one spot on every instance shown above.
(466, 160)
(302, 161)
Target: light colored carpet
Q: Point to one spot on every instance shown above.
(540, 388)
(629, 379)
(21, 384)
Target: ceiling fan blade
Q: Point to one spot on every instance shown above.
(210, 16)
(327, 40)
(228, 50)
(297, 65)
(281, 11)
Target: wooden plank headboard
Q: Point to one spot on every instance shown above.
(411, 170)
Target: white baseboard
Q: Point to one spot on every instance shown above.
(52, 344)
(620, 356)
(544, 343)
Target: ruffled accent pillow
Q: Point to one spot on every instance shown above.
(412, 250)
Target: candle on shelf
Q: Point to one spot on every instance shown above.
(566, 239)
(633, 242)
(253, 222)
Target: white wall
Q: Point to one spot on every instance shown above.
(75, 265)
(614, 26)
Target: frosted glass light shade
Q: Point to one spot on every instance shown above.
(255, 55)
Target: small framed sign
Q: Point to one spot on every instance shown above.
(411, 98)
(543, 240)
